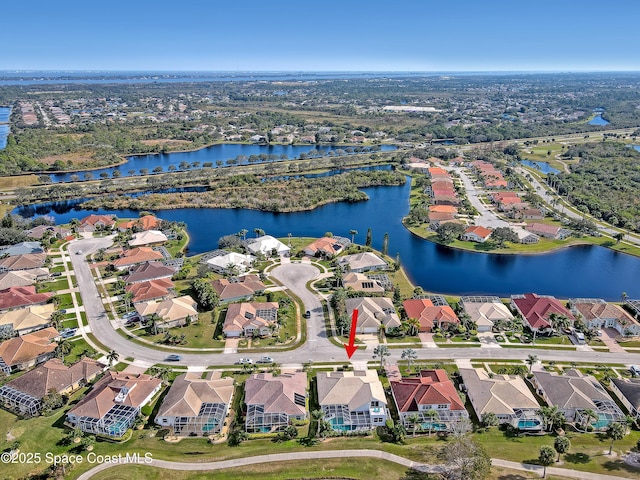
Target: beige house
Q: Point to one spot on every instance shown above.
(352, 400)
(238, 288)
(596, 313)
(250, 318)
(507, 396)
(485, 311)
(373, 313)
(147, 238)
(173, 312)
(196, 405)
(20, 353)
(274, 402)
(22, 278)
(361, 283)
(27, 261)
(26, 320)
(362, 262)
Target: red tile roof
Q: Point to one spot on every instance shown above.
(536, 310)
(94, 219)
(481, 231)
(150, 290)
(428, 314)
(148, 222)
(137, 255)
(433, 387)
(15, 297)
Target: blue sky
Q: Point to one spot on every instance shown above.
(400, 35)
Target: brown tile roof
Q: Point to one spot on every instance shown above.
(103, 395)
(170, 310)
(55, 375)
(432, 387)
(137, 255)
(28, 347)
(150, 290)
(276, 394)
(15, 297)
(237, 287)
(21, 278)
(440, 216)
(543, 228)
(23, 262)
(428, 314)
(243, 315)
(189, 391)
(95, 219)
(148, 222)
(443, 209)
(596, 309)
(148, 271)
(326, 245)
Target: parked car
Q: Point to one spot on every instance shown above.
(265, 360)
(635, 370)
(599, 333)
(174, 358)
(68, 332)
(580, 338)
(56, 274)
(244, 361)
(307, 314)
(79, 252)
(130, 314)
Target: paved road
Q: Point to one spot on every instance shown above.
(485, 217)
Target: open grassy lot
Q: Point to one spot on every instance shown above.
(18, 181)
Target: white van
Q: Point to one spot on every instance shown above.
(580, 338)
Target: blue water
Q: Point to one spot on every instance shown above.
(543, 167)
(598, 120)
(580, 271)
(5, 114)
(435, 427)
(636, 147)
(522, 424)
(222, 152)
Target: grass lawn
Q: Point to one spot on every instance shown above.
(197, 335)
(79, 347)
(61, 284)
(65, 301)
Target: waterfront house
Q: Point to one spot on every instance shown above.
(231, 262)
(429, 315)
(28, 261)
(23, 395)
(476, 233)
(573, 393)
(628, 392)
(537, 309)
(147, 238)
(485, 311)
(18, 297)
(147, 222)
(373, 313)
(26, 320)
(195, 405)
(20, 353)
(417, 398)
(250, 318)
(40, 231)
(114, 403)
(548, 231)
(362, 262)
(147, 271)
(596, 313)
(135, 256)
(274, 402)
(235, 289)
(506, 396)
(359, 282)
(150, 290)
(172, 312)
(352, 400)
(93, 222)
(268, 245)
(326, 247)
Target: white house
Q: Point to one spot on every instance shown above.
(267, 245)
(230, 261)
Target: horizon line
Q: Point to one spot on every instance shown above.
(418, 72)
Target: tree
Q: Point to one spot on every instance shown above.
(551, 417)
(52, 400)
(616, 431)
(56, 319)
(258, 231)
(381, 351)
(546, 458)
(432, 415)
(163, 373)
(587, 415)
(63, 349)
(413, 419)
(562, 445)
(531, 361)
(409, 354)
(501, 235)
(619, 237)
(243, 233)
(489, 419)
(385, 244)
(464, 459)
(206, 295)
(369, 238)
(448, 232)
(112, 357)
(353, 233)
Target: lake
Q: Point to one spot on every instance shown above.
(598, 120)
(215, 153)
(584, 271)
(5, 114)
(543, 167)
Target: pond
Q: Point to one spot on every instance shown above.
(598, 120)
(5, 114)
(543, 167)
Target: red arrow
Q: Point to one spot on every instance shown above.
(351, 348)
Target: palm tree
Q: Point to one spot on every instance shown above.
(413, 420)
(409, 354)
(546, 458)
(616, 431)
(381, 351)
(531, 361)
(63, 349)
(353, 233)
(411, 326)
(587, 415)
(56, 319)
(162, 373)
(432, 415)
(112, 357)
(561, 445)
(243, 233)
(258, 231)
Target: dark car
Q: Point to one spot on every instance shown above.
(307, 314)
(174, 358)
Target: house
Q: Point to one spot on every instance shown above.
(628, 391)
(236, 289)
(596, 313)
(114, 403)
(429, 315)
(362, 262)
(352, 400)
(506, 396)
(25, 320)
(150, 290)
(267, 246)
(430, 391)
(17, 297)
(147, 222)
(195, 405)
(476, 233)
(536, 310)
(148, 238)
(22, 278)
(373, 313)
(145, 272)
(94, 222)
(137, 255)
(274, 402)
(361, 283)
(250, 318)
(172, 312)
(23, 395)
(573, 393)
(525, 237)
(40, 231)
(326, 247)
(28, 261)
(436, 172)
(20, 353)
(443, 209)
(527, 213)
(440, 217)
(548, 231)
(22, 248)
(485, 311)
(231, 261)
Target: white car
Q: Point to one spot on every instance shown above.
(244, 361)
(79, 252)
